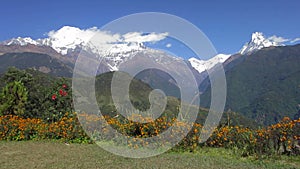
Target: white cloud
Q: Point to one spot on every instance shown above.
(278, 39)
(72, 34)
(140, 38)
(169, 45)
(70, 37)
(282, 40)
(68, 34)
(295, 40)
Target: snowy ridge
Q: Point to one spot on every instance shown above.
(114, 48)
(22, 41)
(68, 38)
(257, 42)
(117, 49)
(120, 53)
(203, 65)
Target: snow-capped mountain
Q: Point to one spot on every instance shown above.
(120, 53)
(117, 49)
(257, 42)
(114, 48)
(203, 65)
(21, 41)
(68, 39)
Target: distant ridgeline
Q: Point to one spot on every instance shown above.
(264, 85)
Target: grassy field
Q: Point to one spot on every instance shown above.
(36, 154)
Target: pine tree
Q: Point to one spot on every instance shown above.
(13, 99)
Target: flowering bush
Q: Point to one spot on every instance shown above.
(282, 137)
(16, 128)
(58, 101)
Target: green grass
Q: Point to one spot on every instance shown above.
(38, 154)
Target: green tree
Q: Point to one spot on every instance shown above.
(13, 99)
(37, 85)
(14, 74)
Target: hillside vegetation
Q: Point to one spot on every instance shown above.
(264, 86)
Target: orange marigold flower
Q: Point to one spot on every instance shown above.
(286, 119)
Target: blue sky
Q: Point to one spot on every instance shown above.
(228, 24)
